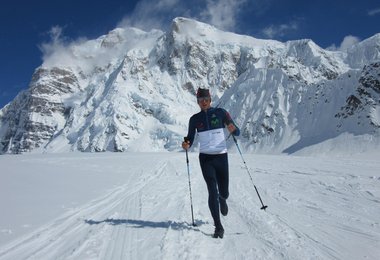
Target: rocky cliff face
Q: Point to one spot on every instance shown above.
(134, 91)
(35, 115)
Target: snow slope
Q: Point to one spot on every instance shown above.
(137, 206)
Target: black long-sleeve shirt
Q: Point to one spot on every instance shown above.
(210, 126)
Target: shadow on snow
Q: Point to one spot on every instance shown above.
(146, 224)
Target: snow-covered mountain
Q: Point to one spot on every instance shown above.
(132, 90)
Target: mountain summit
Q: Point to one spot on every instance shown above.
(132, 90)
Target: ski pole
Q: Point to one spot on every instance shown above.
(191, 197)
(246, 167)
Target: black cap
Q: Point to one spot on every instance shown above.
(203, 92)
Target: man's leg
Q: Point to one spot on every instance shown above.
(222, 176)
(209, 176)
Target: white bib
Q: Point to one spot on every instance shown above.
(212, 141)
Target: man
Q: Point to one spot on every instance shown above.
(209, 124)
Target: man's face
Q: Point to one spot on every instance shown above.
(204, 103)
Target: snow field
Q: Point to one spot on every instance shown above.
(137, 206)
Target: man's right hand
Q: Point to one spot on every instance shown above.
(186, 143)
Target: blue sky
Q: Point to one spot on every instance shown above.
(27, 27)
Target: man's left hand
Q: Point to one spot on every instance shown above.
(231, 128)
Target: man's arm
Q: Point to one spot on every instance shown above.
(231, 126)
(189, 139)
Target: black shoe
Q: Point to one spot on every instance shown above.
(223, 206)
(219, 232)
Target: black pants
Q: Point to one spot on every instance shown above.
(215, 172)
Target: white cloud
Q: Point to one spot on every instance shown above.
(62, 52)
(222, 13)
(56, 41)
(56, 45)
(147, 15)
(347, 42)
(150, 14)
(374, 12)
(274, 31)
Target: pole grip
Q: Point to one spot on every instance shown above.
(186, 139)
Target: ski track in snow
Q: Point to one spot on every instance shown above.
(318, 209)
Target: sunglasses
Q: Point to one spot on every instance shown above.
(201, 99)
